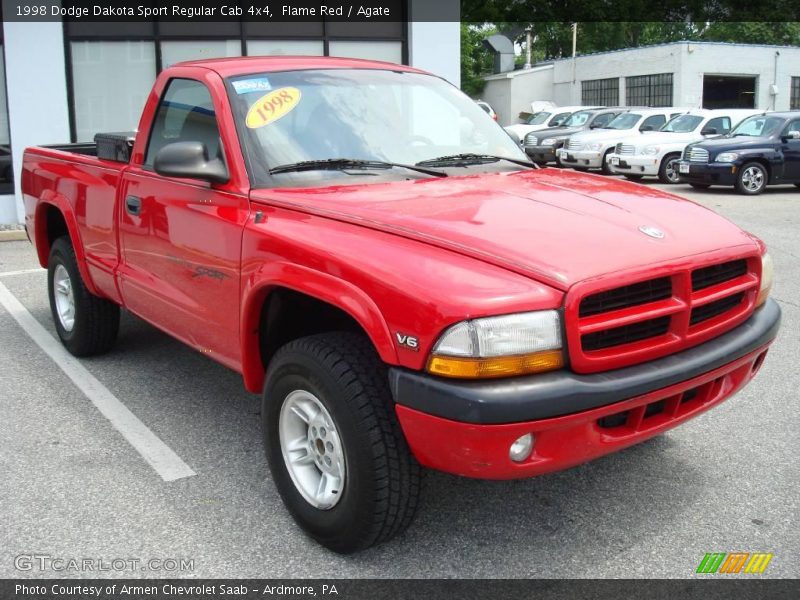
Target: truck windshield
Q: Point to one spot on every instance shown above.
(624, 121)
(759, 126)
(340, 115)
(683, 124)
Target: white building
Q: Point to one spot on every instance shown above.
(691, 74)
(66, 81)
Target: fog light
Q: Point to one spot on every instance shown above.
(521, 449)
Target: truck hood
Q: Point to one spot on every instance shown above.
(554, 226)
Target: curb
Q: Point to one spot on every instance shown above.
(15, 235)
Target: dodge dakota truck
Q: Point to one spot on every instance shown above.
(381, 262)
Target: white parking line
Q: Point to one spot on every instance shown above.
(25, 272)
(161, 457)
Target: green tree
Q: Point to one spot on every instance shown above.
(476, 59)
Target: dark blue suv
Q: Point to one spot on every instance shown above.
(762, 150)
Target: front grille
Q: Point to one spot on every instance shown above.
(530, 140)
(632, 322)
(714, 309)
(716, 274)
(626, 296)
(699, 155)
(573, 145)
(625, 149)
(627, 334)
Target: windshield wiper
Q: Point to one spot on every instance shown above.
(471, 159)
(342, 164)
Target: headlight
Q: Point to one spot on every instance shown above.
(767, 274)
(502, 346)
(595, 146)
(726, 157)
(651, 150)
(548, 142)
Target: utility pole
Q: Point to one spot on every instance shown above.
(528, 42)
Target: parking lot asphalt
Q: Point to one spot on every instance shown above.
(73, 487)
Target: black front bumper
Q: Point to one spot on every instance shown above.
(563, 392)
(541, 154)
(709, 174)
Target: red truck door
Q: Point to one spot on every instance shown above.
(181, 239)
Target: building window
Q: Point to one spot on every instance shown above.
(600, 92)
(649, 90)
(6, 164)
(795, 95)
(110, 84)
(112, 66)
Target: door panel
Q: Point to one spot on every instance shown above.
(791, 153)
(181, 239)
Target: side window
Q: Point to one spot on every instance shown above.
(185, 114)
(655, 122)
(603, 120)
(721, 124)
(792, 126)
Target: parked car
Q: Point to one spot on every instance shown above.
(394, 277)
(658, 154)
(762, 150)
(545, 119)
(487, 109)
(590, 149)
(543, 145)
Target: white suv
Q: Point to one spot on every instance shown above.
(658, 154)
(589, 149)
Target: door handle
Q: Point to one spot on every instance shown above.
(133, 204)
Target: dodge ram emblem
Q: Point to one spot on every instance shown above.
(653, 232)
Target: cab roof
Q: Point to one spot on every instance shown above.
(243, 65)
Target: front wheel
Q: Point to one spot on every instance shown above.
(752, 179)
(86, 324)
(605, 168)
(335, 449)
(668, 171)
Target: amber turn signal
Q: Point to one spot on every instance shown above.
(500, 366)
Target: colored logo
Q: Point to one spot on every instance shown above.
(734, 562)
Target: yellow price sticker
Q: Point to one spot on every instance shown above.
(272, 106)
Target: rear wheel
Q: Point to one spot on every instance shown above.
(752, 179)
(668, 171)
(85, 323)
(700, 186)
(335, 449)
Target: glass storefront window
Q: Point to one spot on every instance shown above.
(369, 49)
(175, 52)
(111, 81)
(285, 48)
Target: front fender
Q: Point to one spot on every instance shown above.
(322, 286)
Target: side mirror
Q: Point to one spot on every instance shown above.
(709, 131)
(791, 135)
(646, 128)
(190, 160)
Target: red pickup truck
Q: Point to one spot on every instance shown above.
(380, 261)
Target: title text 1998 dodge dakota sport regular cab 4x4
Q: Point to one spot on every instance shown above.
(377, 258)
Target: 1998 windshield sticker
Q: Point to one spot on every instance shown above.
(272, 106)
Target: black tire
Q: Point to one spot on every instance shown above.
(605, 168)
(96, 320)
(700, 186)
(752, 179)
(667, 171)
(383, 479)
(634, 177)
